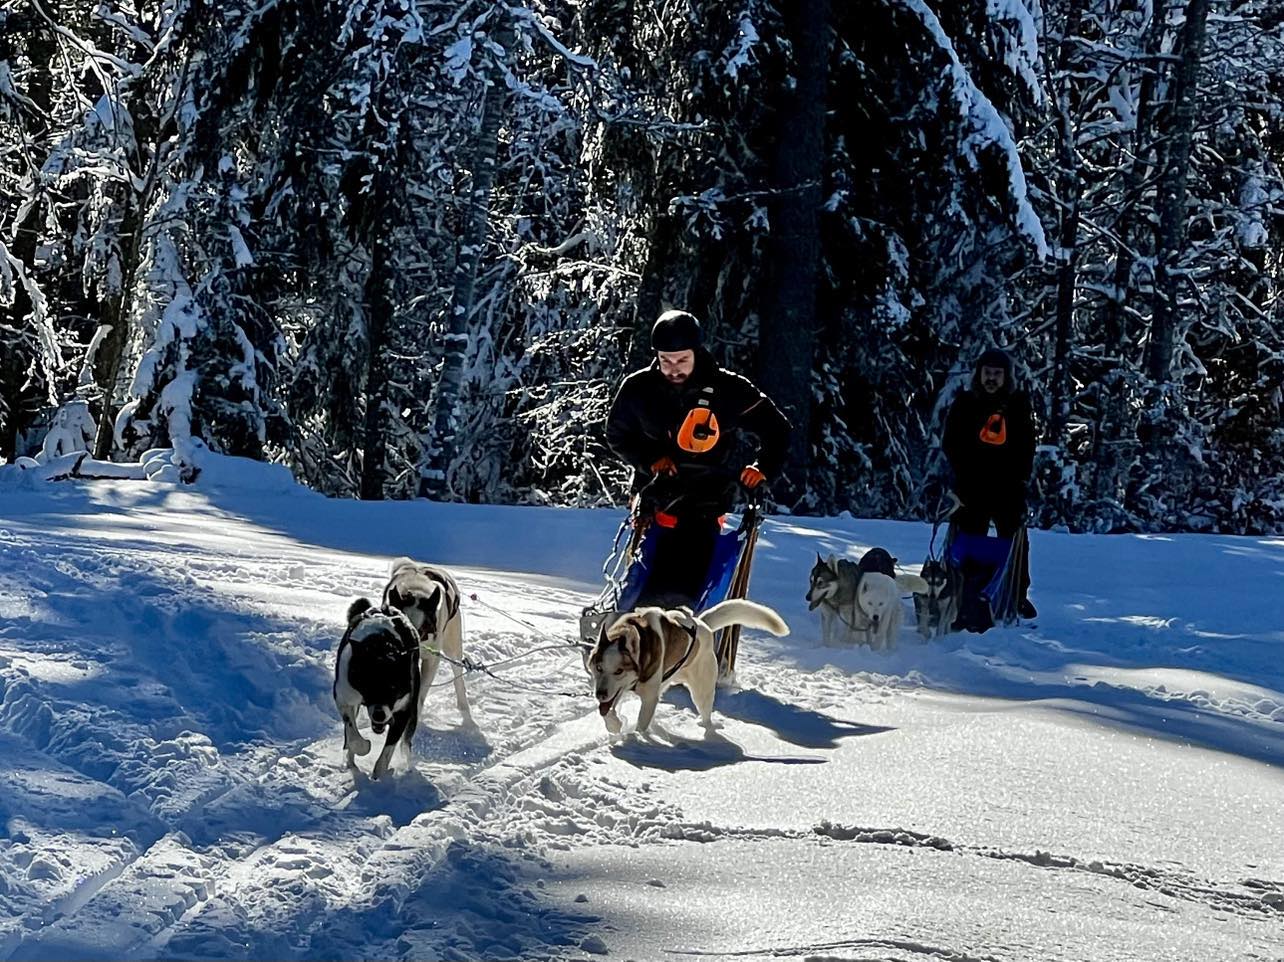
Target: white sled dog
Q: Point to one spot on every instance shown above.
(864, 606)
(429, 597)
(647, 650)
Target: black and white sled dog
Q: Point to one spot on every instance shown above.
(861, 602)
(429, 597)
(648, 649)
(378, 666)
(937, 609)
(389, 656)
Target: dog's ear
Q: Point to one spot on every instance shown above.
(683, 617)
(406, 632)
(833, 562)
(357, 609)
(631, 641)
(432, 606)
(655, 621)
(392, 597)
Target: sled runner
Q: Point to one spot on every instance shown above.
(627, 571)
(991, 574)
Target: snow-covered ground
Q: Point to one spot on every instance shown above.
(1108, 785)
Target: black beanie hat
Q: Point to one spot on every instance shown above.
(995, 357)
(676, 331)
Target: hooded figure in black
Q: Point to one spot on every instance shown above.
(989, 442)
(681, 424)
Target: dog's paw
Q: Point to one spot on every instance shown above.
(359, 744)
(613, 723)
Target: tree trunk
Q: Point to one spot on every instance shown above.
(117, 307)
(1071, 191)
(475, 223)
(378, 308)
(662, 250)
(40, 47)
(1172, 194)
(788, 332)
(1114, 429)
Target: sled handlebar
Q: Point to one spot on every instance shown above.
(753, 496)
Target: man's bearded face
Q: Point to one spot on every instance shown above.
(676, 366)
(992, 379)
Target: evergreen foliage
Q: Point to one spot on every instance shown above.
(410, 248)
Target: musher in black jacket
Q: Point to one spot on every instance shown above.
(679, 423)
(989, 442)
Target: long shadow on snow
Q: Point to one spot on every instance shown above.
(799, 726)
(796, 725)
(671, 753)
(155, 658)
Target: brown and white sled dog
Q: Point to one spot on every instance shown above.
(429, 597)
(859, 605)
(649, 649)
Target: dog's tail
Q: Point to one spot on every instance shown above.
(401, 562)
(912, 583)
(747, 613)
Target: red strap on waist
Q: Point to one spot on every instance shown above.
(666, 520)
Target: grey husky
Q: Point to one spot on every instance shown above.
(937, 609)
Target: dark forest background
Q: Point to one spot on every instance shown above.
(409, 248)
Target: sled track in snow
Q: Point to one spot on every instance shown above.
(1255, 898)
(82, 575)
(1258, 899)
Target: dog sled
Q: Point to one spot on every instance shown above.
(628, 569)
(991, 570)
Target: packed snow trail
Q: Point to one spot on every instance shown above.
(1104, 787)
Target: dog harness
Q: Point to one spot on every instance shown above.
(690, 630)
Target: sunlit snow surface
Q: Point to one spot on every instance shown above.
(1106, 785)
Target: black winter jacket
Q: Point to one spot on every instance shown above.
(989, 441)
(646, 422)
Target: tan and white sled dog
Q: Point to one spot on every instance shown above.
(429, 597)
(647, 650)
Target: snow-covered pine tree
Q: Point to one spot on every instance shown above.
(31, 355)
(917, 265)
(1121, 462)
